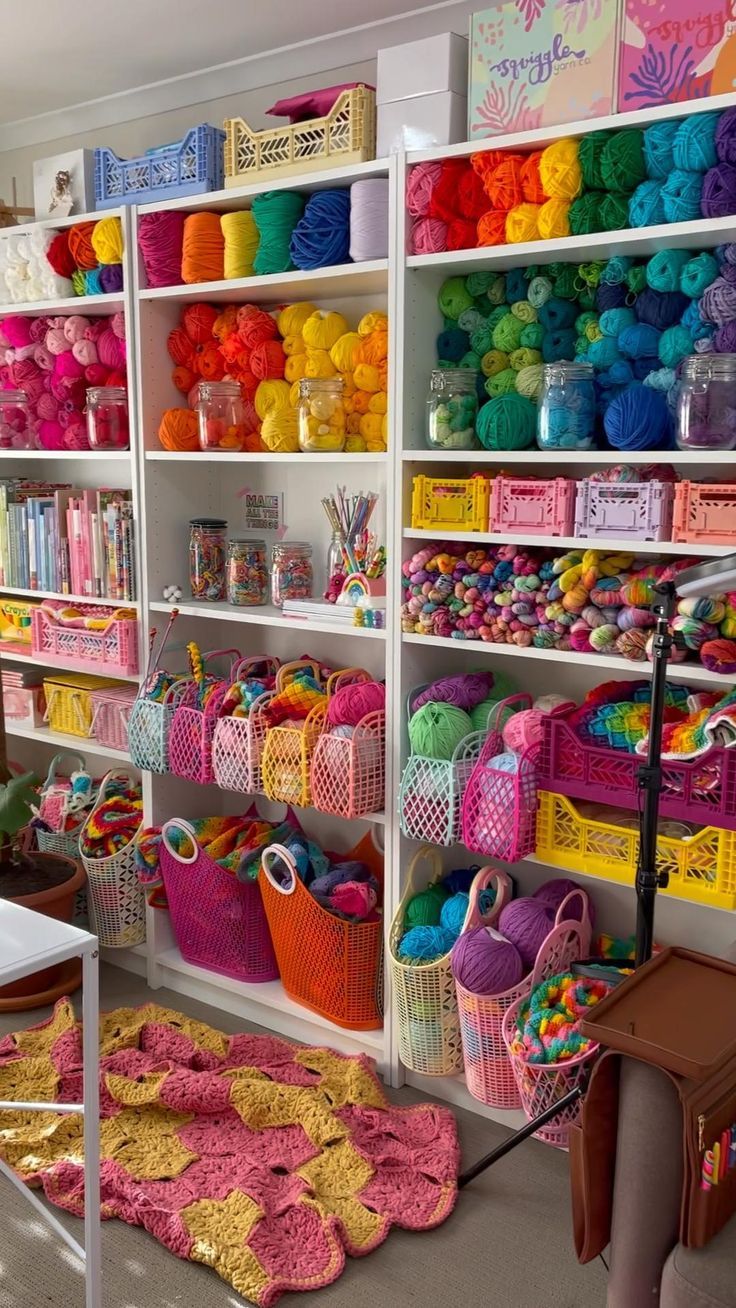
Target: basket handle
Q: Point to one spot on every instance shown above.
(115, 774)
(56, 760)
(182, 825)
(176, 689)
(429, 854)
(269, 856)
(248, 665)
(287, 671)
(495, 728)
(563, 913)
(347, 677)
(222, 653)
(482, 881)
(411, 696)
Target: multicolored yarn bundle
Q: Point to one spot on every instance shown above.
(268, 354)
(548, 1023)
(235, 843)
(114, 823)
(84, 259)
(54, 360)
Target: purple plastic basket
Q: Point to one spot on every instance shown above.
(701, 790)
(634, 510)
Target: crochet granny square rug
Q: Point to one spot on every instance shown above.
(267, 1161)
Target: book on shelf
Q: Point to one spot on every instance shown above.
(320, 610)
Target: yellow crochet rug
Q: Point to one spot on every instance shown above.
(267, 1161)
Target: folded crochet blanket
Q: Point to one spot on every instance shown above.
(242, 695)
(615, 714)
(711, 721)
(89, 618)
(235, 843)
(114, 823)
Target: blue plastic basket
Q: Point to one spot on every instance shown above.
(191, 166)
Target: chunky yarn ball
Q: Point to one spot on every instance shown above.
(484, 963)
(425, 908)
(694, 146)
(522, 223)
(646, 206)
(508, 422)
(559, 170)
(638, 419)
(425, 944)
(553, 220)
(681, 195)
(526, 923)
(622, 160)
(436, 730)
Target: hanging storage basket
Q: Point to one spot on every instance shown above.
(348, 775)
(219, 922)
(64, 843)
(431, 790)
(329, 965)
(193, 728)
(149, 728)
(116, 896)
(237, 744)
(490, 1073)
(287, 752)
(499, 807)
(424, 994)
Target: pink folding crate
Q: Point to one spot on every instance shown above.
(532, 505)
(634, 510)
(111, 709)
(111, 645)
(499, 807)
(705, 512)
(193, 724)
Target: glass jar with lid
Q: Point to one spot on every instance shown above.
(247, 572)
(452, 408)
(207, 550)
(221, 416)
(321, 415)
(291, 571)
(16, 422)
(706, 402)
(567, 408)
(107, 418)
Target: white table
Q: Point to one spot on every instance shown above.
(28, 942)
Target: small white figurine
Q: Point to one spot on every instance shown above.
(62, 200)
(172, 594)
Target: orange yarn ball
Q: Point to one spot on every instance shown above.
(267, 360)
(255, 325)
(198, 321)
(183, 379)
(209, 362)
(484, 162)
(503, 186)
(80, 246)
(226, 323)
(179, 430)
(492, 228)
(531, 182)
(203, 249)
(180, 347)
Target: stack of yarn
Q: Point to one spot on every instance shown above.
(548, 1023)
(283, 230)
(435, 917)
(269, 354)
(85, 259)
(53, 361)
(673, 171)
(587, 601)
(445, 712)
(634, 321)
(489, 962)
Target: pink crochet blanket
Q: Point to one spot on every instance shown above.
(268, 1162)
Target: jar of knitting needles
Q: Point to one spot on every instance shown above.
(16, 425)
(567, 408)
(107, 418)
(706, 402)
(221, 417)
(452, 408)
(291, 572)
(321, 415)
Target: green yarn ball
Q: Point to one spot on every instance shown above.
(481, 341)
(507, 333)
(497, 290)
(622, 161)
(540, 290)
(501, 383)
(425, 908)
(665, 268)
(477, 283)
(585, 320)
(566, 281)
(636, 278)
(523, 358)
(532, 336)
(674, 345)
(585, 213)
(496, 316)
(590, 153)
(615, 212)
(436, 730)
(453, 298)
(524, 311)
(530, 381)
(508, 422)
(470, 361)
(479, 714)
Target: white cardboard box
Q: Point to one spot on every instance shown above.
(437, 63)
(423, 121)
(81, 165)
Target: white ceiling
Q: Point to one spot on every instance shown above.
(57, 53)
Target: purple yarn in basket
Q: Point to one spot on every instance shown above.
(726, 137)
(554, 892)
(464, 691)
(718, 197)
(526, 923)
(484, 964)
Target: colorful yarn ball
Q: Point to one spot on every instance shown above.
(559, 169)
(491, 229)
(638, 419)
(659, 142)
(425, 909)
(508, 422)
(553, 219)
(694, 146)
(522, 223)
(424, 944)
(504, 185)
(454, 912)
(622, 160)
(526, 923)
(719, 656)
(590, 152)
(436, 730)
(681, 195)
(484, 963)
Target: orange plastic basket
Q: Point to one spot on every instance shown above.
(331, 966)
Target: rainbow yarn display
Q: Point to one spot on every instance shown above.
(548, 1023)
(84, 259)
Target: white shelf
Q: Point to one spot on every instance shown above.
(69, 456)
(62, 741)
(678, 458)
(100, 305)
(454, 1090)
(6, 656)
(369, 278)
(266, 616)
(606, 662)
(70, 599)
(232, 197)
(569, 542)
(626, 881)
(242, 458)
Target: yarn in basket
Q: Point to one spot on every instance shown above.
(436, 730)
(526, 923)
(485, 963)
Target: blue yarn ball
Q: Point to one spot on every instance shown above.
(460, 879)
(641, 368)
(694, 145)
(557, 314)
(616, 269)
(454, 912)
(646, 206)
(692, 320)
(425, 943)
(675, 344)
(638, 419)
(639, 342)
(611, 296)
(613, 321)
(559, 345)
(620, 373)
(659, 141)
(452, 344)
(660, 309)
(697, 274)
(516, 285)
(664, 269)
(681, 194)
(486, 900)
(604, 353)
(322, 235)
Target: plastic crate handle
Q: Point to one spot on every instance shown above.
(482, 881)
(56, 760)
(180, 824)
(270, 855)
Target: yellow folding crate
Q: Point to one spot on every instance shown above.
(455, 503)
(69, 706)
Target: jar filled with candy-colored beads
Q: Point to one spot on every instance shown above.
(207, 551)
(567, 409)
(452, 408)
(107, 418)
(291, 571)
(221, 416)
(706, 402)
(321, 415)
(247, 572)
(16, 427)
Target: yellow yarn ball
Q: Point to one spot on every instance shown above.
(241, 243)
(494, 361)
(355, 444)
(291, 320)
(559, 169)
(554, 219)
(294, 344)
(271, 397)
(294, 394)
(593, 332)
(322, 328)
(378, 403)
(295, 367)
(522, 224)
(367, 378)
(343, 351)
(375, 320)
(107, 240)
(530, 381)
(384, 432)
(524, 358)
(319, 364)
(280, 431)
(348, 385)
(371, 426)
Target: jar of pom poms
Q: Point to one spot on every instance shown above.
(452, 408)
(221, 417)
(321, 415)
(107, 418)
(16, 430)
(567, 407)
(706, 402)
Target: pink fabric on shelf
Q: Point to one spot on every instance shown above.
(312, 104)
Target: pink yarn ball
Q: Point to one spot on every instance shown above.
(485, 964)
(526, 923)
(56, 341)
(110, 349)
(47, 407)
(554, 892)
(66, 365)
(523, 729)
(96, 374)
(428, 236)
(38, 329)
(117, 322)
(351, 703)
(43, 357)
(75, 328)
(51, 436)
(75, 434)
(16, 330)
(28, 376)
(85, 352)
(96, 327)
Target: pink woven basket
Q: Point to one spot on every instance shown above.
(498, 814)
(237, 744)
(219, 922)
(111, 709)
(193, 728)
(348, 776)
(489, 1071)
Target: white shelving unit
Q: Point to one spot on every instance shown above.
(170, 488)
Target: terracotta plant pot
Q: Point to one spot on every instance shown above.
(58, 902)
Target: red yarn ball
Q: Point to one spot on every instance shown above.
(60, 256)
(198, 321)
(472, 200)
(444, 201)
(461, 234)
(255, 326)
(268, 360)
(180, 347)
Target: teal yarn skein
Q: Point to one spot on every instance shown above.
(664, 269)
(532, 336)
(508, 422)
(614, 321)
(559, 345)
(681, 194)
(659, 143)
(604, 353)
(646, 206)
(539, 291)
(423, 944)
(697, 274)
(639, 342)
(674, 346)
(556, 314)
(616, 270)
(454, 912)
(694, 146)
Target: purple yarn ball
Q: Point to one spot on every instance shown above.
(660, 309)
(484, 964)
(526, 923)
(717, 304)
(464, 691)
(725, 338)
(726, 137)
(554, 892)
(718, 197)
(111, 278)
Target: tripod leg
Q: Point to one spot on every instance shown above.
(519, 1137)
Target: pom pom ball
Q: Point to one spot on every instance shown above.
(526, 923)
(484, 963)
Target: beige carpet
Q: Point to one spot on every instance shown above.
(507, 1245)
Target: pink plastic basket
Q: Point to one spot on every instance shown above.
(348, 776)
(624, 510)
(237, 744)
(499, 808)
(489, 1073)
(705, 512)
(111, 709)
(537, 507)
(219, 922)
(113, 649)
(193, 728)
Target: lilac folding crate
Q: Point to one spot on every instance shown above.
(531, 504)
(634, 510)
